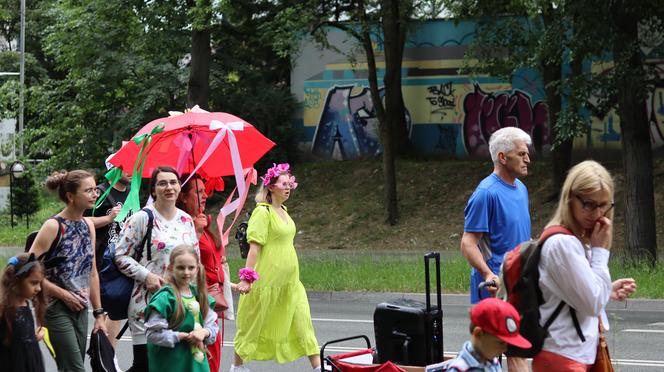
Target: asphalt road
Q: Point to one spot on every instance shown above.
(635, 340)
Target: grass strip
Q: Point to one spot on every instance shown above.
(404, 272)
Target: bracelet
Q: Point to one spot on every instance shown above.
(97, 312)
(248, 275)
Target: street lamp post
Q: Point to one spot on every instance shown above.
(16, 171)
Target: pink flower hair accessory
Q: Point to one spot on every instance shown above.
(248, 275)
(276, 171)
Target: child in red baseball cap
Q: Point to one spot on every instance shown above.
(494, 323)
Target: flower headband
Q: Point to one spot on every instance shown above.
(276, 171)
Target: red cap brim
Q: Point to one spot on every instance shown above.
(516, 340)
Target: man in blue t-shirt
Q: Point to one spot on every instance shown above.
(497, 217)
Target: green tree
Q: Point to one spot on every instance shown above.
(550, 33)
(377, 24)
(630, 80)
(25, 195)
(520, 34)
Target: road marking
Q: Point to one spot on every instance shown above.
(341, 320)
(643, 330)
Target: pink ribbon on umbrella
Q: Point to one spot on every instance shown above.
(225, 130)
(185, 144)
(250, 177)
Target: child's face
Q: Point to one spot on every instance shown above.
(31, 284)
(184, 269)
(490, 346)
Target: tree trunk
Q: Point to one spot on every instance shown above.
(640, 233)
(395, 112)
(561, 153)
(198, 89)
(386, 136)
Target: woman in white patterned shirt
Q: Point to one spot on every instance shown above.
(172, 227)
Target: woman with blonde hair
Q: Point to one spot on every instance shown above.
(574, 271)
(273, 317)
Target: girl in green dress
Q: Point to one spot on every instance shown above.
(180, 320)
(273, 319)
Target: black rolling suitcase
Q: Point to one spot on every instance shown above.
(410, 332)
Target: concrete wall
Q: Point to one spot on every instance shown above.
(449, 112)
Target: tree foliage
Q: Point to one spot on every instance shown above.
(542, 34)
(96, 71)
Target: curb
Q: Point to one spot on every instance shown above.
(463, 299)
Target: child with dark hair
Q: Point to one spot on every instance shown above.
(19, 342)
(494, 324)
(180, 320)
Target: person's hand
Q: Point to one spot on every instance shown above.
(115, 211)
(492, 289)
(197, 336)
(234, 287)
(153, 282)
(622, 288)
(243, 287)
(200, 222)
(100, 324)
(223, 260)
(72, 302)
(601, 235)
(39, 334)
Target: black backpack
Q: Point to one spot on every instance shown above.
(101, 353)
(241, 236)
(520, 277)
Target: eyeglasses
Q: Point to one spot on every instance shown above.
(163, 184)
(93, 191)
(591, 206)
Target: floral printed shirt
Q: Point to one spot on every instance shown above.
(166, 235)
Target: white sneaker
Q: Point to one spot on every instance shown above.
(240, 368)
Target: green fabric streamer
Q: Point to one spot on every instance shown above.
(133, 203)
(113, 176)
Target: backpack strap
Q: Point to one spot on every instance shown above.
(57, 240)
(147, 238)
(553, 230)
(555, 314)
(575, 320)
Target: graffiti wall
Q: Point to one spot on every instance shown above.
(448, 112)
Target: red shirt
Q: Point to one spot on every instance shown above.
(211, 258)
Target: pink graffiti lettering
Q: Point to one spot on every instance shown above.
(488, 112)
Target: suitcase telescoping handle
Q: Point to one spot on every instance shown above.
(427, 258)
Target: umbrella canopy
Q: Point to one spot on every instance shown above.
(212, 144)
(186, 138)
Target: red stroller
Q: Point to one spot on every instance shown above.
(343, 363)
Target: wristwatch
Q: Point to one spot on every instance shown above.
(97, 312)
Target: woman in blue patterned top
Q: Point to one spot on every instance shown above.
(71, 282)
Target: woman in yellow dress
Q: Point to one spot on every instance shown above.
(273, 318)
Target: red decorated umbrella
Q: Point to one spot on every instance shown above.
(187, 137)
(212, 144)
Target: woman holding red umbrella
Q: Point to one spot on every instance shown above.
(192, 200)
